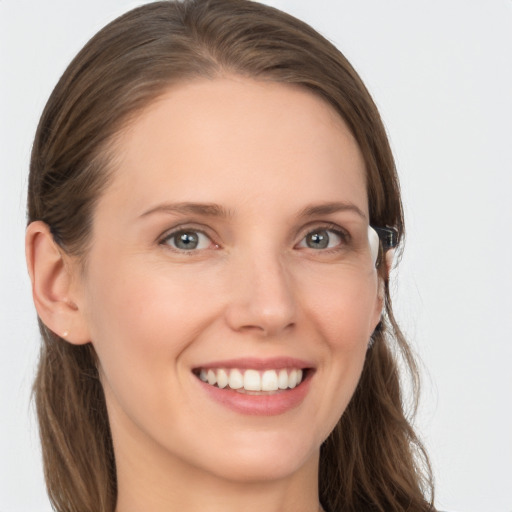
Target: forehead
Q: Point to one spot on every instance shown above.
(236, 139)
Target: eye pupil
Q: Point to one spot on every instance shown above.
(318, 239)
(186, 240)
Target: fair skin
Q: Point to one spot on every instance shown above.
(255, 290)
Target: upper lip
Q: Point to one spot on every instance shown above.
(256, 363)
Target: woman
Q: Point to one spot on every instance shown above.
(213, 207)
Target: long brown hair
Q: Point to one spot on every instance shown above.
(372, 461)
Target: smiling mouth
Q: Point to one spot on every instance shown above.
(251, 381)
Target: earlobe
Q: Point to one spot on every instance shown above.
(51, 275)
(388, 262)
(390, 259)
(380, 300)
(381, 286)
(381, 290)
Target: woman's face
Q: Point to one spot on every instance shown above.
(231, 245)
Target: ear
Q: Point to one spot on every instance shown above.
(53, 274)
(381, 289)
(389, 260)
(379, 301)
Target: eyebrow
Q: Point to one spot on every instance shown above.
(332, 207)
(215, 210)
(205, 209)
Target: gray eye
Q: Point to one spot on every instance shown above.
(188, 240)
(318, 240)
(321, 239)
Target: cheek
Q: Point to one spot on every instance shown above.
(343, 312)
(344, 309)
(140, 324)
(144, 307)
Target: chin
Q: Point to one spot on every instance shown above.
(264, 457)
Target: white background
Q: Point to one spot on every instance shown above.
(441, 74)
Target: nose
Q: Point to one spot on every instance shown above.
(262, 298)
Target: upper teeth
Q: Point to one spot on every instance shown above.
(252, 380)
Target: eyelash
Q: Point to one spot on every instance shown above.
(331, 228)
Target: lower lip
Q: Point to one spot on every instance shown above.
(259, 405)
